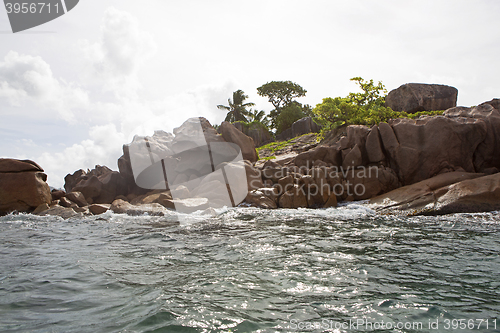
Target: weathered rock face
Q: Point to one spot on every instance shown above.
(329, 155)
(366, 183)
(256, 131)
(23, 186)
(285, 135)
(495, 103)
(12, 165)
(98, 209)
(257, 198)
(100, 185)
(295, 197)
(79, 175)
(420, 149)
(71, 180)
(454, 192)
(487, 154)
(294, 187)
(300, 127)
(159, 144)
(57, 194)
(122, 207)
(406, 151)
(78, 198)
(471, 196)
(125, 169)
(414, 97)
(64, 212)
(305, 125)
(246, 144)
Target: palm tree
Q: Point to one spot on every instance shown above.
(236, 109)
(259, 116)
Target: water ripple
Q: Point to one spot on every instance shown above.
(246, 270)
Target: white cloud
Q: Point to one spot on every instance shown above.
(29, 78)
(121, 51)
(122, 122)
(103, 147)
(117, 60)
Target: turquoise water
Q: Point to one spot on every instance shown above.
(251, 270)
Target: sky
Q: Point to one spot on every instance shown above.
(74, 90)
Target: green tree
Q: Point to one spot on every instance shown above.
(259, 116)
(366, 107)
(288, 115)
(372, 95)
(237, 109)
(307, 110)
(281, 94)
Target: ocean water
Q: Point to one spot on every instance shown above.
(249, 270)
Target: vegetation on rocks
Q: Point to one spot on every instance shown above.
(270, 150)
(362, 108)
(282, 94)
(365, 107)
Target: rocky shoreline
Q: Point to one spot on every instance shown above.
(428, 166)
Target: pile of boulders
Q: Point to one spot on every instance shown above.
(462, 146)
(430, 165)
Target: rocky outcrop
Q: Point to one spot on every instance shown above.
(63, 212)
(71, 180)
(99, 185)
(304, 126)
(246, 144)
(495, 103)
(369, 162)
(422, 148)
(23, 186)
(257, 198)
(258, 132)
(294, 187)
(254, 178)
(300, 127)
(330, 155)
(463, 139)
(471, 196)
(454, 192)
(125, 169)
(120, 206)
(284, 153)
(442, 162)
(414, 97)
(98, 209)
(366, 183)
(57, 194)
(486, 156)
(10, 165)
(78, 198)
(182, 155)
(285, 135)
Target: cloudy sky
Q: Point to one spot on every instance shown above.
(74, 90)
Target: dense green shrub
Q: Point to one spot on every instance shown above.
(364, 108)
(288, 115)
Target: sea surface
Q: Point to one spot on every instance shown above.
(343, 269)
